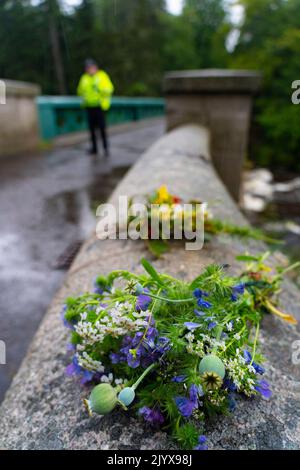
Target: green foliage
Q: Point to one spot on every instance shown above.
(207, 21)
(187, 435)
(269, 42)
(136, 41)
(152, 272)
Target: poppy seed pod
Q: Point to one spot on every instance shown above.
(139, 289)
(102, 400)
(126, 396)
(212, 363)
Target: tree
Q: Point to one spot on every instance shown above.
(130, 37)
(269, 42)
(53, 13)
(207, 20)
(136, 41)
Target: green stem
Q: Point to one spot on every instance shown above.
(137, 383)
(165, 299)
(218, 337)
(149, 321)
(232, 341)
(289, 268)
(255, 343)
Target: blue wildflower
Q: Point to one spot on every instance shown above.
(212, 325)
(229, 385)
(201, 443)
(134, 358)
(115, 358)
(155, 351)
(150, 337)
(179, 378)
(143, 301)
(263, 387)
(190, 325)
(203, 303)
(185, 405)
(75, 369)
(198, 293)
(199, 313)
(248, 358)
(237, 290)
(153, 416)
(142, 349)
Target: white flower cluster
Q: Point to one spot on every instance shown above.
(115, 321)
(85, 361)
(216, 400)
(196, 346)
(88, 363)
(109, 379)
(239, 372)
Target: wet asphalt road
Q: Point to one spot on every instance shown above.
(46, 204)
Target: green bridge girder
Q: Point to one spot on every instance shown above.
(60, 115)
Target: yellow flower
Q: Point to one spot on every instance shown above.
(162, 195)
(264, 267)
(285, 316)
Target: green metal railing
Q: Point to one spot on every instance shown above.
(59, 115)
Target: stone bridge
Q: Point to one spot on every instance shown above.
(43, 408)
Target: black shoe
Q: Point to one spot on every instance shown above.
(106, 153)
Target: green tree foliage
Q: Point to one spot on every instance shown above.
(136, 41)
(21, 28)
(270, 42)
(129, 37)
(207, 21)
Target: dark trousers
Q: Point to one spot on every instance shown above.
(96, 119)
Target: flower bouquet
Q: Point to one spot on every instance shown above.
(166, 210)
(173, 352)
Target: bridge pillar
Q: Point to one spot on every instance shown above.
(221, 100)
(18, 117)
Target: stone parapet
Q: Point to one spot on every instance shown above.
(221, 100)
(43, 408)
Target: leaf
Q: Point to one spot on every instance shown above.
(152, 272)
(157, 247)
(247, 258)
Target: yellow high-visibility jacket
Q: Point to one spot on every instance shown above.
(96, 90)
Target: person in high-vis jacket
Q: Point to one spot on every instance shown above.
(96, 89)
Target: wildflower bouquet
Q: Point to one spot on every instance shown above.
(163, 206)
(171, 351)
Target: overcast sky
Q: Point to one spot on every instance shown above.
(175, 6)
